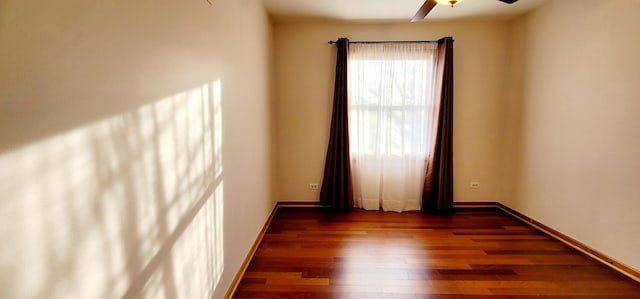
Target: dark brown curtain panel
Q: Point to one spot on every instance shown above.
(437, 194)
(337, 190)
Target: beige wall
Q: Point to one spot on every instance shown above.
(575, 131)
(134, 146)
(304, 87)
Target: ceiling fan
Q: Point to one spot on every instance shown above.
(429, 4)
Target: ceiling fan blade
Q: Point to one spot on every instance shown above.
(508, 1)
(424, 10)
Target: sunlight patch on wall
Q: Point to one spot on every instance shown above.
(104, 210)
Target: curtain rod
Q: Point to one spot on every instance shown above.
(331, 42)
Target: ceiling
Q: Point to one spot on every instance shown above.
(393, 10)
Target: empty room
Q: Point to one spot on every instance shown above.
(319, 149)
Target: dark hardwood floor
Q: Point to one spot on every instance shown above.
(477, 253)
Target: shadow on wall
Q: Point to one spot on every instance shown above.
(131, 206)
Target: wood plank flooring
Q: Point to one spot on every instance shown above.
(475, 253)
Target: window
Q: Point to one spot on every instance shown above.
(391, 106)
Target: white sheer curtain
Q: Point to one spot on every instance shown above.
(391, 95)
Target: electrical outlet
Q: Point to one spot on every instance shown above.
(313, 186)
(474, 185)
